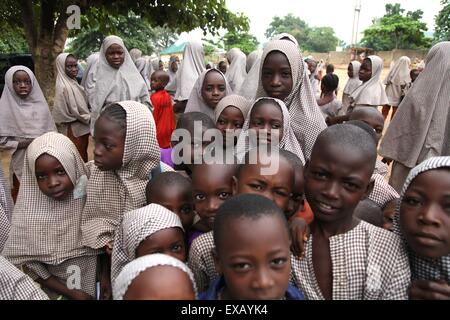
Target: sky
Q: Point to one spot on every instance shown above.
(337, 14)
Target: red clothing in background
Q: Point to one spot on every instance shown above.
(164, 118)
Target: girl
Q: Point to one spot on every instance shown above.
(352, 83)
(45, 229)
(236, 72)
(230, 115)
(210, 87)
(24, 116)
(151, 229)
(70, 109)
(398, 76)
(422, 219)
(143, 66)
(90, 65)
(420, 129)
(171, 87)
(283, 76)
(328, 103)
(155, 277)
(114, 78)
(250, 83)
(265, 115)
(371, 92)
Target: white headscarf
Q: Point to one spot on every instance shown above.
(191, 68)
(70, 104)
(134, 268)
(399, 73)
(421, 126)
(143, 66)
(91, 62)
(171, 87)
(236, 72)
(286, 36)
(135, 54)
(24, 118)
(371, 93)
(252, 58)
(232, 100)
(196, 102)
(250, 83)
(112, 85)
(354, 82)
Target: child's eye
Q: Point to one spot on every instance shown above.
(378, 130)
(241, 266)
(276, 126)
(279, 262)
(40, 176)
(414, 202)
(186, 210)
(109, 146)
(257, 187)
(61, 172)
(177, 248)
(221, 122)
(281, 193)
(199, 197)
(238, 125)
(286, 74)
(351, 186)
(222, 88)
(320, 175)
(224, 195)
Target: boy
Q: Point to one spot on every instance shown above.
(346, 258)
(255, 263)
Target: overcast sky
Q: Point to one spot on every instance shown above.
(321, 13)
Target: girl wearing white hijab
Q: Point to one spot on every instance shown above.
(23, 118)
(70, 108)
(398, 76)
(371, 93)
(90, 63)
(114, 82)
(135, 54)
(236, 72)
(250, 83)
(171, 87)
(143, 66)
(352, 83)
(421, 126)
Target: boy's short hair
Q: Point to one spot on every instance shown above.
(293, 159)
(186, 121)
(244, 206)
(285, 154)
(166, 179)
(364, 126)
(370, 212)
(163, 76)
(330, 81)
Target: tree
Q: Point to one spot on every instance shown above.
(442, 29)
(395, 30)
(321, 39)
(242, 40)
(46, 30)
(289, 24)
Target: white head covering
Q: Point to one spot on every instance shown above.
(232, 100)
(286, 36)
(155, 64)
(24, 118)
(288, 140)
(196, 102)
(236, 72)
(113, 85)
(90, 64)
(252, 58)
(371, 93)
(137, 226)
(143, 66)
(191, 68)
(250, 83)
(354, 82)
(424, 268)
(135, 54)
(44, 229)
(70, 102)
(172, 85)
(134, 268)
(112, 193)
(421, 126)
(399, 73)
(305, 115)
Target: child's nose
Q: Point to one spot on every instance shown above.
(262, 279)
(430, 215)
(332, 190)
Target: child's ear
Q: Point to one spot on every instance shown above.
(369, 189)
(216, 261)
(234, 185)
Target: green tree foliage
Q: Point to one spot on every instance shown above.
(396, 30)
(13, 39)
(242, 40)
(442, 30)
(321, 39)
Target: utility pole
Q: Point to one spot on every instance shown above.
(356, 14)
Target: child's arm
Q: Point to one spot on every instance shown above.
(56, 285)
(105, 274)
(429, 290)
(299, 230)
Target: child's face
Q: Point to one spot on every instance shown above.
(156, 82)
(115, 56)
(109, 140)
(255, 261)
(174, 66)
(425, 214)
(312, 66)
(52, 178)
(71, 67)
(231, 119)
(276, 187)
(335, 181)
(350, 70)
(213, 88)
(212, 185)
(223, 67)
(296, 199)
(276, 75)
(168, 241)
(267, 118)
(414, 74)
(388, 215)
(161, 283)
(365, 72)
(177, 199)
(161, 65)
(375, 121)
(22, 84)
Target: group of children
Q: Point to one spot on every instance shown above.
(295, 204)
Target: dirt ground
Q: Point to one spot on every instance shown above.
(340, 71)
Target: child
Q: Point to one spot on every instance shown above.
(171, 87)
(162, 109)
(6, 208)
(45, 234)
(70, 108)
(114, 78)
(314, 77)
(269, 122)
(328, 103)
(371, 92)
(144, 68)
(389, 213)
(255, 263)
(352, 83)
(414, 73)
(25, 115)
(210, 87)
(148, 230)
(223, 66)
(370, 212)
(347, 259)
(155, 277)
(173, 191)
(422, 219)
(229, 116)
(329, 69)
(398, 76)
(283, 76)
(236, 73)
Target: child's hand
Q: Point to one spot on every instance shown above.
(429, 290)
(299, 231)
(76, 294)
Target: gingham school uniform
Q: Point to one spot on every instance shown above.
(382, 192)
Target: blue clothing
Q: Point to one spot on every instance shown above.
(292, 293)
